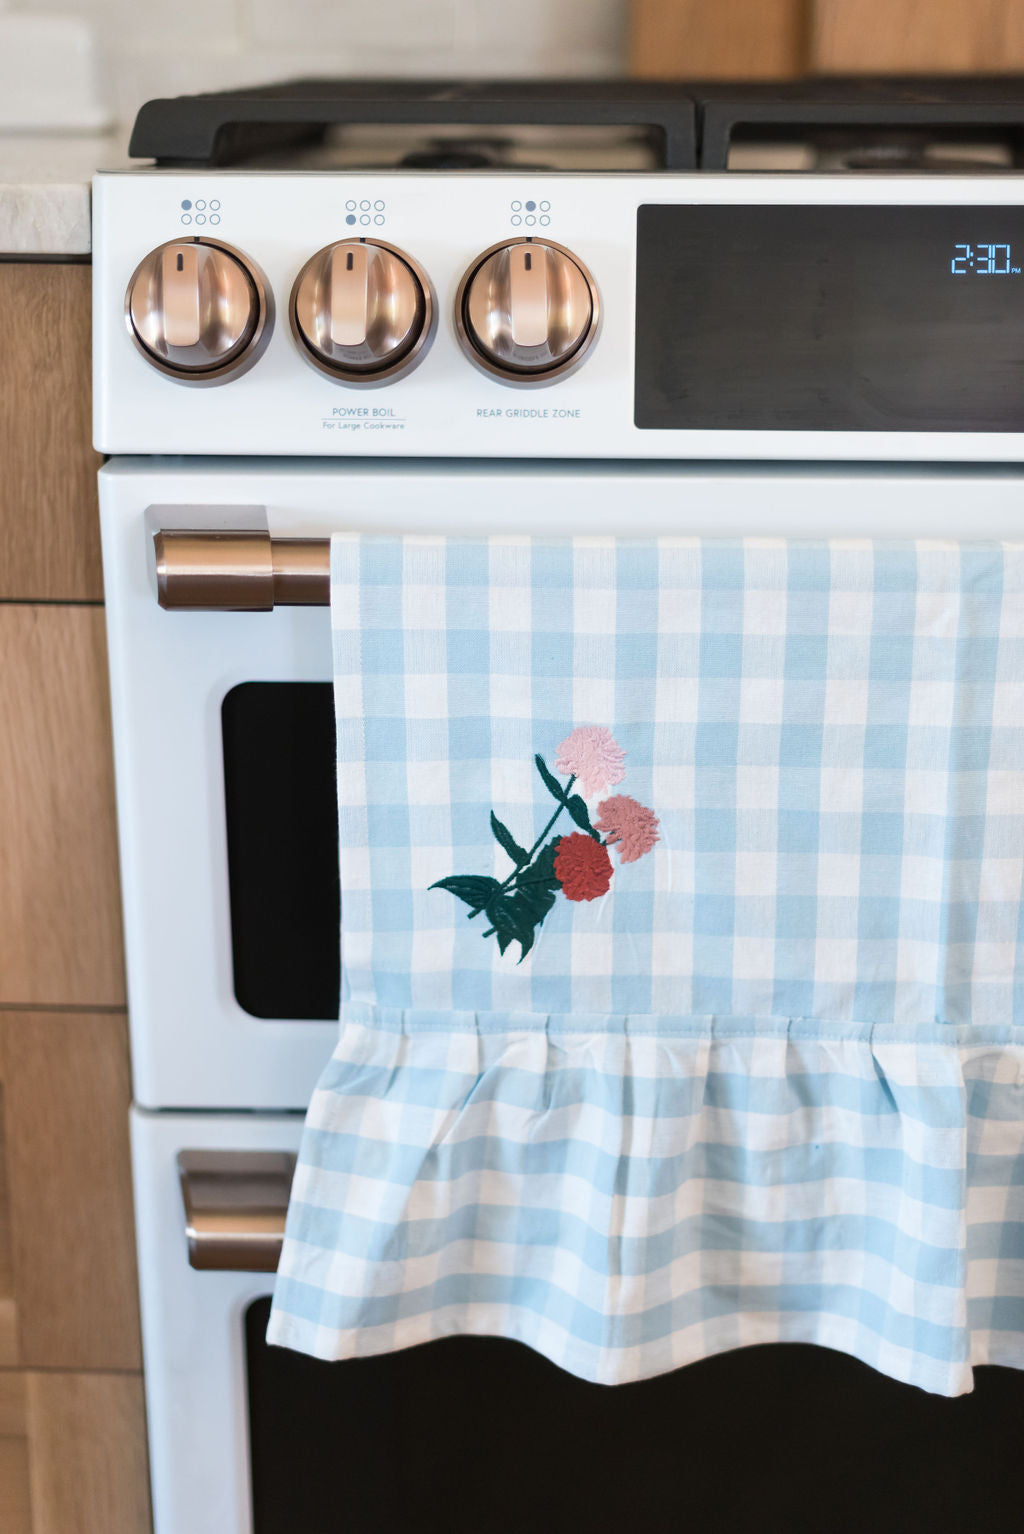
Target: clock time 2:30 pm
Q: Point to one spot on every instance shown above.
(983, 261)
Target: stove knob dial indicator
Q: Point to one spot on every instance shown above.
(198, 310)
(527, 311)
(362, 312)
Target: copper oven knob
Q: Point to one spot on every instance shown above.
(362, 311)
(527, 311)
(198, 310)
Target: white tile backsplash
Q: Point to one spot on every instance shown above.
(165, 49)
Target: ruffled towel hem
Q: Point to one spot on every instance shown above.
(628, 1204)
(454, 1321)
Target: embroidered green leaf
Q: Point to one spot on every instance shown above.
(538, 898)
(526, 943)
(542, 869)
(511, 918)
(518, 854)
(579, 812)
(538, 885)
(551, 783)
(474, 889)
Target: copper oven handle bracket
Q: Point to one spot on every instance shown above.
(241, 571)
(235, 1205)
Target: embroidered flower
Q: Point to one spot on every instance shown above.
(582, 867)
(578, 865)
(630, 824)
(593, 755)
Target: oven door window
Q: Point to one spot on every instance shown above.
(282, 832)
(479, 1435)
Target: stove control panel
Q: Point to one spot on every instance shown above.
(529, 314)
(198, 310)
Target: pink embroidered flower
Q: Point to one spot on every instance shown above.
(631, 824)
(582, 867)
(592, 754)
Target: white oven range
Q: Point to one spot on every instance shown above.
(717, 355)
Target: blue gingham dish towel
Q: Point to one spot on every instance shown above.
(683, 955)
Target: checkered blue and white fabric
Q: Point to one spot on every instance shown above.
(762, 1080)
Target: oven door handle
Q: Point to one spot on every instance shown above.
(235, 1206)
(241, 572)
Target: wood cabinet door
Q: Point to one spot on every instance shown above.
(49, 522)
(768, 39)
(60, 915)
(728, 39)
(916, 36)
(72, 1454)
(68, 1293)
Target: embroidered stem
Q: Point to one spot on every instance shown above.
(543, 834)
(514, 875)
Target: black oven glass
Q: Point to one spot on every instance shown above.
(786, 318)
(474, 1435)
(282, 830)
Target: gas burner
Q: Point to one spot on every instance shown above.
(468, 154)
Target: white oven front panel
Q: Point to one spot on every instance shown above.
(448, 407)
(193, 1046)
(192, 1329)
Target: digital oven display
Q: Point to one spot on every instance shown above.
(811, 318)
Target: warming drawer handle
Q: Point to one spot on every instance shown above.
(241, 571)
(235, 1204)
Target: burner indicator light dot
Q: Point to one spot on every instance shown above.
(351, 218)
(379, 218)
(516, 219)
(517, 207)
(200, 218)
(350, 206)
(364, 218)
(530, 220)
(545, 207)
(215, 206)
(200, 205)
(215, 218)
(531, 207)
(379, 206)
(185, 204)
(544, 220)
(364, 207)
(186, 218)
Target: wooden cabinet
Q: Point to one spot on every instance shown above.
(929, 36)
(729, 39)
(72, 1454)
(60, 923)
(49, 529)
(767, 39)
(67, 1263)
(72, 1420)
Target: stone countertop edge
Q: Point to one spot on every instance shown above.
(45, 191)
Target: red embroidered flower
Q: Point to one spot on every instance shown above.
(631, 824)
(582, 867)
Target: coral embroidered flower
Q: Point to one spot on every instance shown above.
(628, 823)
(582, 867)
(593, 755)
